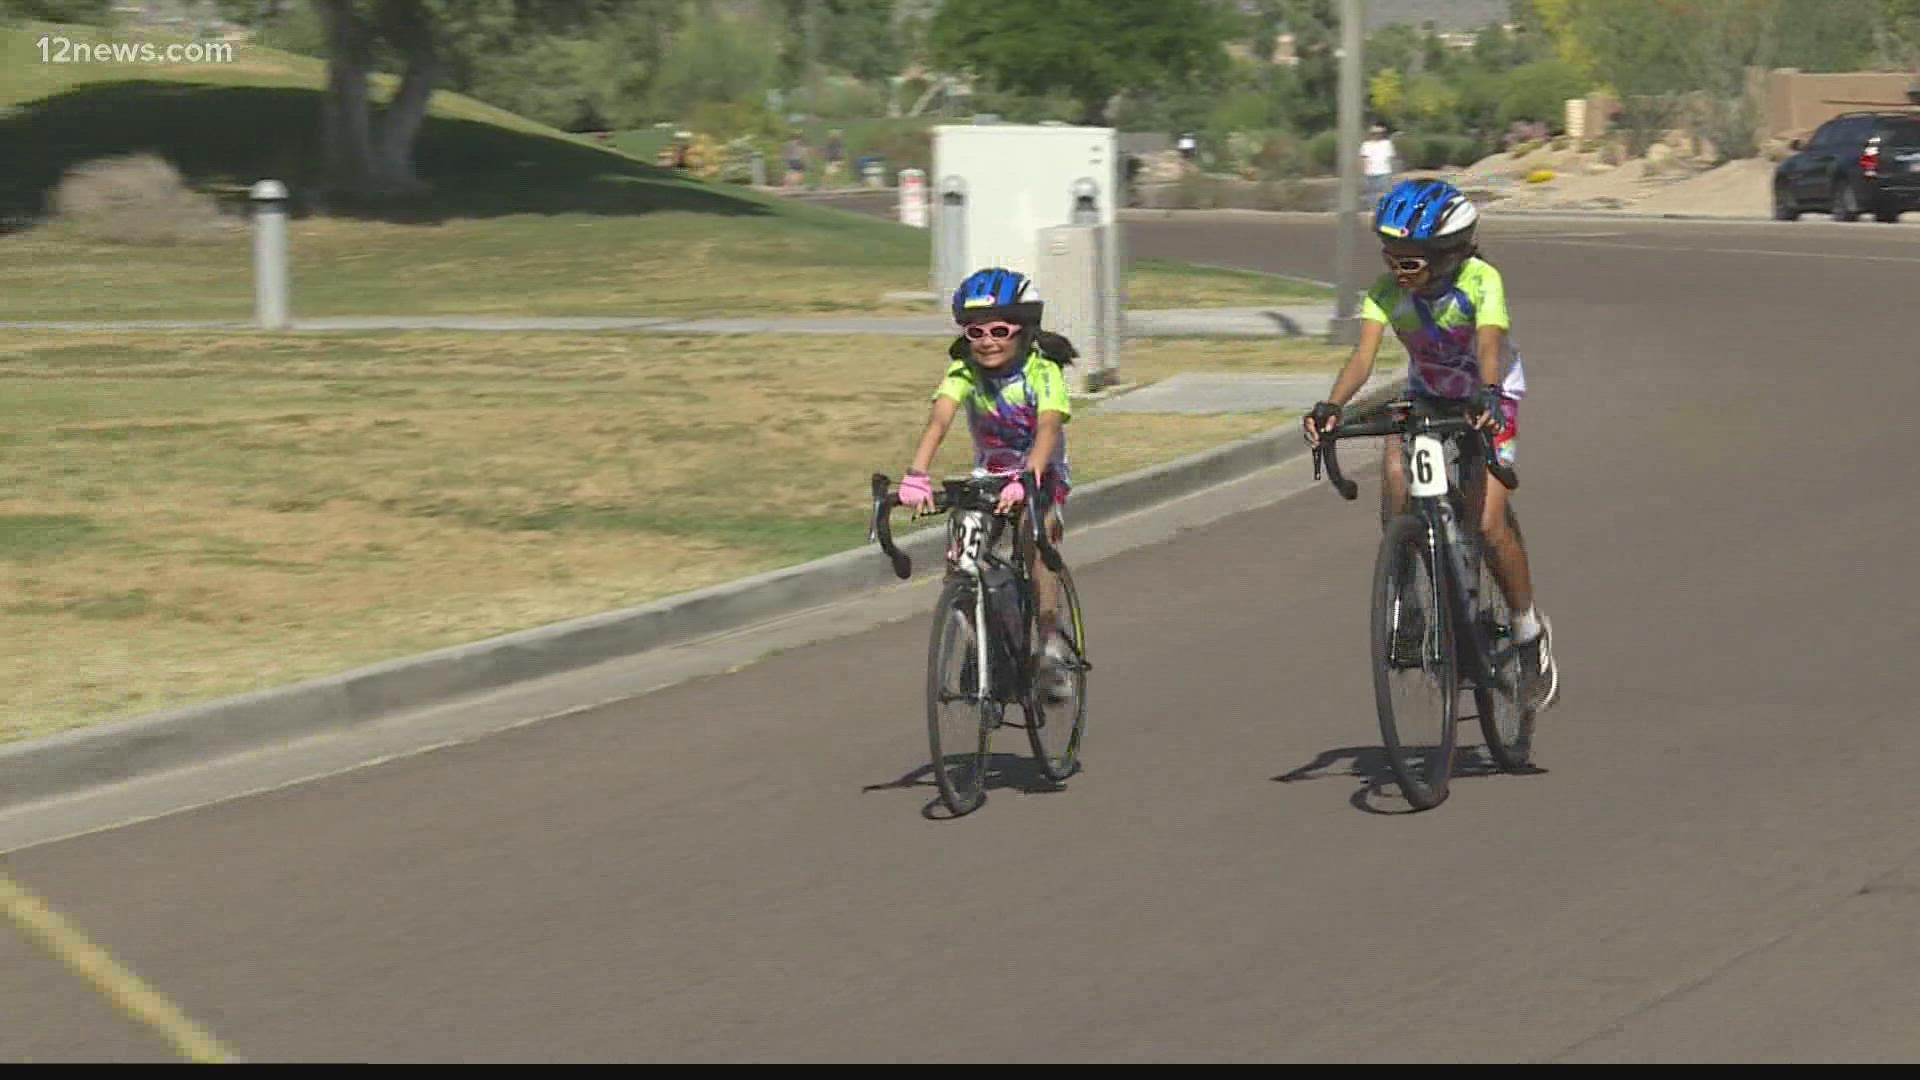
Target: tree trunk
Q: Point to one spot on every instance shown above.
(346, 134)
(368, 156)
(406, 26)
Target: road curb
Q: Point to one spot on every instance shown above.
(74, 761)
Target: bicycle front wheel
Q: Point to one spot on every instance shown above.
(959, 717)
(1415, 674)
(1055, 727)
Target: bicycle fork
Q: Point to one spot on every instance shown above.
(980, 631)
(966, 554)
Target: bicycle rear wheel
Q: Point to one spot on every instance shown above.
(1508, 728)
(1415, 675)
(1055, 729)
(960, 719)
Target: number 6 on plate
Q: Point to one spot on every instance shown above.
(1429, 467)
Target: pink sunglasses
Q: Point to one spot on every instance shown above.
(1000, 331)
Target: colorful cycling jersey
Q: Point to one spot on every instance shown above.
(1004, 416)
(1443, 359)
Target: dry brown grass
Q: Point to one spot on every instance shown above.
(186, 516)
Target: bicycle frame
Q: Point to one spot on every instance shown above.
(971, 537)
(1448, 546)
(973, 530)
(1435, 495)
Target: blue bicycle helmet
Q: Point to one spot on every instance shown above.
(1432, 213)
(997, 294)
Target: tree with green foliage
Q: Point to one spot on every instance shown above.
(1395, 48)
(857, 37)
(1634, 47)
(1726, 39)
(1656, 52)
(836, 55)
(799, 20)
(717, 56)
(1495, 49)
(1826, 35)
(1433, 102)
(1896, 34)
(1087, 50)
(1538, 92)
(1307, 92)
(597, 74)
(1235, 101)
(1456, 101)
(566, 62)
(1387, 94)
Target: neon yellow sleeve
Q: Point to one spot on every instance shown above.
(1049, 388)
(958, 383)
(1375, 305)
(1489, 295)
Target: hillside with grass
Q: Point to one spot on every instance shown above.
(521, 219)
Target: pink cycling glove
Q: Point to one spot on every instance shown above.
(916, 491)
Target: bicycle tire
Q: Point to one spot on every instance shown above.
(1060, 766)
(960, 751)
(1424, 770)
(1507, 728)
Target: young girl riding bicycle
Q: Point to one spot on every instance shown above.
(1006, 372)
(1448, 306)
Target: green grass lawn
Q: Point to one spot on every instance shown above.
(189, 515)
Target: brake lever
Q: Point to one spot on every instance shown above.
(881, 529)
(880, 486)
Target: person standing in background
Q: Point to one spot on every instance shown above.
(796, 162)
(1377, 159)
(835, 150)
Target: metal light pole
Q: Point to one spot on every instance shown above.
(1346, 324)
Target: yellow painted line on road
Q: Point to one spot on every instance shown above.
(46, 928)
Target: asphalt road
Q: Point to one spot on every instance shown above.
(1720, 859)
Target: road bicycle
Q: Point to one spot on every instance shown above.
(1440, 622)
(984, 654)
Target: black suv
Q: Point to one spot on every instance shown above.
(1856, 163)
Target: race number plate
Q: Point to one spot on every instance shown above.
(964, 545)
(1428, 466)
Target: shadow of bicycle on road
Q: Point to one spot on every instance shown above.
(1005, 772)
(1379, 793)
